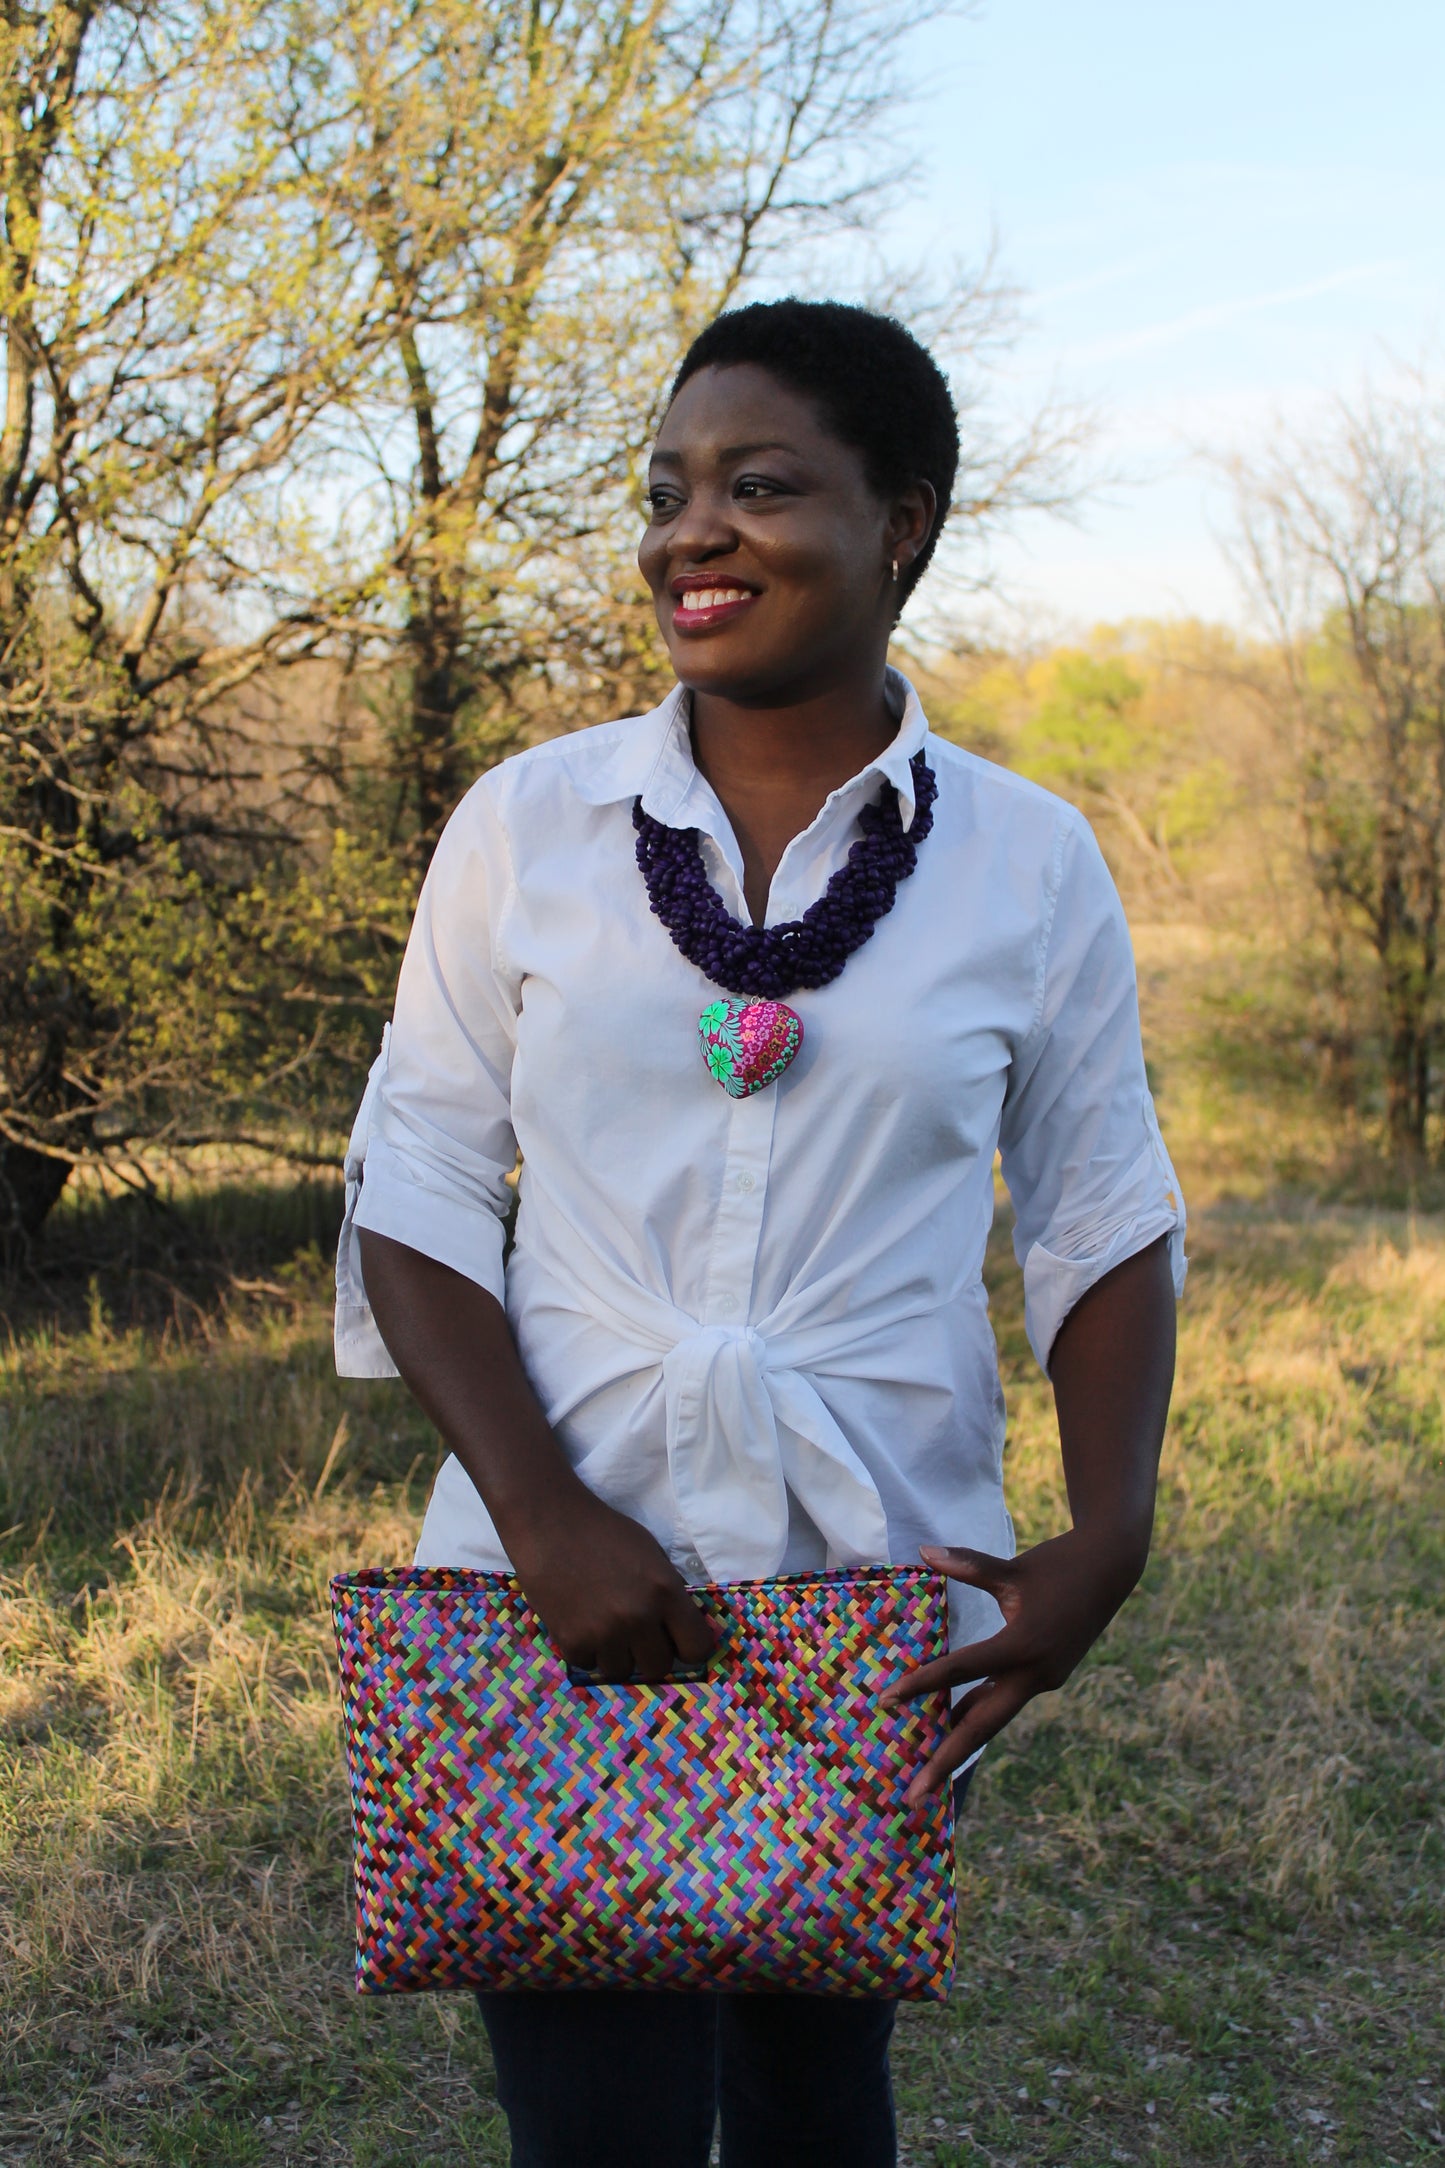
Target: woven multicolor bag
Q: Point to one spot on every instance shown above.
(741, 1830)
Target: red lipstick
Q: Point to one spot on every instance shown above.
(702, 601)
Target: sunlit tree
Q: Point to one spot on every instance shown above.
(553, 199)
(333, 339)
(1343, 538)
(177, 316)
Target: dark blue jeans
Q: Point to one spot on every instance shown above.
(639, 2081)
(635, 2080)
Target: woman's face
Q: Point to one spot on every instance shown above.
(768, 552)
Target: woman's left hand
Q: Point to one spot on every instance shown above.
(1111, 1366)
(1056, 1600)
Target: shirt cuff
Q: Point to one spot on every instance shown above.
(471, 1241)
(359, 1348)
(1053, 1284)
(467, 1237)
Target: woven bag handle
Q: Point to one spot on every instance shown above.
(680, 1675)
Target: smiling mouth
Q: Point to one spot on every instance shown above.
(700, 606)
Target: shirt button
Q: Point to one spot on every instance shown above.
(746, 1182)
(693, 1567)
(727, 1304)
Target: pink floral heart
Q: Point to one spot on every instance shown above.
(748, 1044)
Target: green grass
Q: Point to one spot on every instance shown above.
(1201, 1889)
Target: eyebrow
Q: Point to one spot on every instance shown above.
(728, 452)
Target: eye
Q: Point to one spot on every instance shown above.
(658, 501)
(752, 486)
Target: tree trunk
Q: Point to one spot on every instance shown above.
(1405, 990)
(435, 779)
(30, 1185)
(1407, 1076)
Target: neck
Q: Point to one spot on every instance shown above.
(773, 762)
(791, 749)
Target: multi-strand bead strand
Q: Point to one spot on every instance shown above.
(771, 962)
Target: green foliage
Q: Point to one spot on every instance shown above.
(199, 998)
(1278, 805)
(177, 317)
(1087, 728)
(1135, 727)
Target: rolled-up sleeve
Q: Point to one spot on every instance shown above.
(433, 1143)
(1083, 1158)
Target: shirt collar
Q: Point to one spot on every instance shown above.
(651, 758)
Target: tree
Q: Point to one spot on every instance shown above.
(334, 336)
(1114, 723)
(177, 316)
(1343, 539)
(553, 196)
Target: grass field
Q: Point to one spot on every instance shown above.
(1201, 1889)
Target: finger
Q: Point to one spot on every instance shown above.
(976, 1660)
(652, 1652)
(967, 1703)
(979, 1568)
(986, 1711)
(693, 1634)
(613, 1661)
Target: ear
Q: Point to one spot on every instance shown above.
(911, 522)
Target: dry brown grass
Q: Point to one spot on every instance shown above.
(1201, 1888)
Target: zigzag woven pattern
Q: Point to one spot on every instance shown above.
(742, 1831)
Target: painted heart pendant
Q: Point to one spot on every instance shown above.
(748, 1044)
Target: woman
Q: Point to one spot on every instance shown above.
(743, 1330)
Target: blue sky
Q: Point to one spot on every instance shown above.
(1218, 214)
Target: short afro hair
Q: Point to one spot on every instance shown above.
(872, 383)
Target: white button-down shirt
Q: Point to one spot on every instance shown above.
(758, 1325)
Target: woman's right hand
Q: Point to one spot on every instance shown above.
(606, 1591)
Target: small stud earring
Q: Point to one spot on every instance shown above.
(895, 571)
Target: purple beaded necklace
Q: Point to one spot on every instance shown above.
(747, 1044)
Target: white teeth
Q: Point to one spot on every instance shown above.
(711, 598)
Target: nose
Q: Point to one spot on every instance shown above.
(703, 528)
